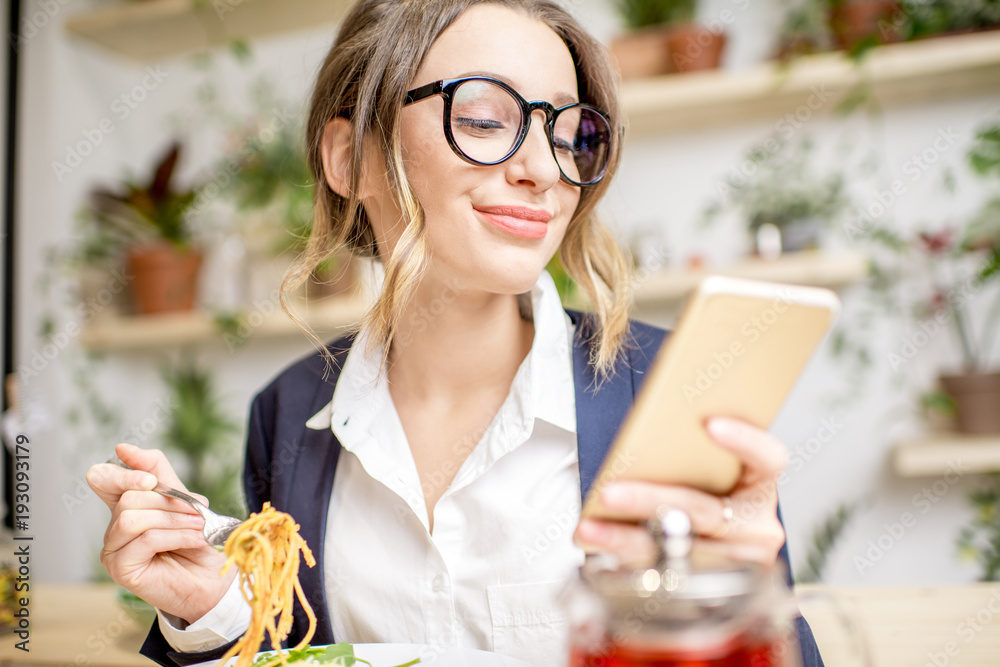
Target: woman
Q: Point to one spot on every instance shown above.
(436, 462)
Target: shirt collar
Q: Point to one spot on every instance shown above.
(544, 381)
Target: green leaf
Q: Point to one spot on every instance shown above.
(341, 655)
(240, 49)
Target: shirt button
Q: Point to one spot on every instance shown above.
(438, 584)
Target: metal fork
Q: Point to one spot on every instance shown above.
(217, 526)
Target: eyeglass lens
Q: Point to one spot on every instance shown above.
(486, 121)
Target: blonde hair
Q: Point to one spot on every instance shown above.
(365, 78)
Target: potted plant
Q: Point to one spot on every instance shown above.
(272, 188)
(784, 202)
(975, 389)
(936, 17)
(805, 31)
(860, 24)
(642, 51)
(150, 221)
(951, 267)
(692, 47)
(979, 540)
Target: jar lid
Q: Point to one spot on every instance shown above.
(682, 572)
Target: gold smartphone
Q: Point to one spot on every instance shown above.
(737, 351)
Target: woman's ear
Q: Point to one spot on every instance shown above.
(336, 150)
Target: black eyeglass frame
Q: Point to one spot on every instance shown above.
(447, 87)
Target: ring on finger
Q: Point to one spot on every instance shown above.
(727, 518)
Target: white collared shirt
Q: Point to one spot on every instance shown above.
(489, 575)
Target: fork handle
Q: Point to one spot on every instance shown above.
(165, 490)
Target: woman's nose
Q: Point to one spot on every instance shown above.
(533, 163)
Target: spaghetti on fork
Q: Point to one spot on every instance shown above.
(266, 550)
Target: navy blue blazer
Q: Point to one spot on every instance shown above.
(293, 467)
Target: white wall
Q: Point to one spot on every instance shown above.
(665, 182)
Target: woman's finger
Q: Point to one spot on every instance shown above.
(637, 501)
(130, 525)
(150, 500)
(151, 460)
(763, 455)
(109, 482)
(127, 563)
(631, 544)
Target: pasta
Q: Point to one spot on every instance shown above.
(266, 549)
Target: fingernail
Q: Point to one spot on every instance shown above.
(616, 496)
(144, 480)
(593, 532)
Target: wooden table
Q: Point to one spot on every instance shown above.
(78, 625)
(82, 626)
(945, 626)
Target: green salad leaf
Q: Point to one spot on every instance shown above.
(339, 655)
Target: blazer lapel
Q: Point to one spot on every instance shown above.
(315, 466)
(600, 407)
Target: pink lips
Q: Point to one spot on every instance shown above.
(521, 221)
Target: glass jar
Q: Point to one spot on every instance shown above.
(689, 609)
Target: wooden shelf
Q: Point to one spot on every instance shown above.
(817, 269)
(329, 316)
(326, 317)
(940, 453)
(157, 29)
(927, 70)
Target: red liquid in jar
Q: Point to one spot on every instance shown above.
(740, 653)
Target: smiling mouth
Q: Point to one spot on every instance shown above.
(520, 221)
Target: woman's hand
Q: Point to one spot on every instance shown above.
(743, 526)
(154, 546)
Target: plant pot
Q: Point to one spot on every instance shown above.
(772, 240)
(642, 53)
(693, 48)
(852, 22)
(977, 401)
(165, 279)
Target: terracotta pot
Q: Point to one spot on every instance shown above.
(642, 53)
(693, 48)
(165, 278)
(853, 22)
(977, 401)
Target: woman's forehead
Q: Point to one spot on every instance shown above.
(519, 49)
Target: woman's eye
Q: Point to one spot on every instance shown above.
(479, 123)
(562, 145)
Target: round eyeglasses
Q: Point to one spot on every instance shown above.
(486, 121)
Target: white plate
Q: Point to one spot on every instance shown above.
(387, 655)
